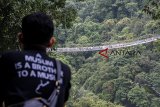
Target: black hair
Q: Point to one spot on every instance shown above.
(37, 29)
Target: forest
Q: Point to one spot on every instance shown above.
(121, 80)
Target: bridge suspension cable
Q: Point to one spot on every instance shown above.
(111, 46)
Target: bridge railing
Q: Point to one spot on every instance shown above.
(111, 46)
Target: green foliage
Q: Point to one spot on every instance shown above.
(89, 99)
(83, 40)
(153, 9)
(59, 57)
(138, 96)
(12, 11)
(155, 102)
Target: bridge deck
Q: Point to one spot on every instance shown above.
(111, 46)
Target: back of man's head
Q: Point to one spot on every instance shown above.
(37, 29)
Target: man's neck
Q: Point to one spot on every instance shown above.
(35, 47)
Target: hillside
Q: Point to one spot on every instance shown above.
(123, 79)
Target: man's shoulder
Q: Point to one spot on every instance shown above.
(7, 58)
(65, 69)
(65, 66)
(10, 53)
(0, 54)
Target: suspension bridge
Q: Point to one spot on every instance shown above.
(110, 46)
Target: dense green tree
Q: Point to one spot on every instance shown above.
(153, 8)
(11, 12)
(138, 96)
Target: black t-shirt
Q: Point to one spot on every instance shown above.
(31, 73)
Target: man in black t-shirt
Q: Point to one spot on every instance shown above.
(32, 73)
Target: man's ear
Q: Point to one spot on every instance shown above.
(20, 38)
(52, 41)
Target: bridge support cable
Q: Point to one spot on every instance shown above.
(111, 46)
